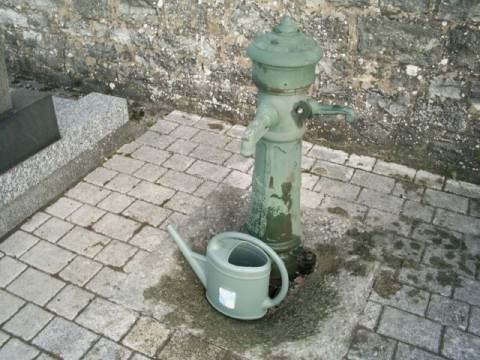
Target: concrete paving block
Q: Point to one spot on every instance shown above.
(428, 278)
(153, 193)
(106, 282)
(88, 193)
(36, 286)
(184, 132)
(370, 315)
(182, 147)
(53, 229)
(150, 172)
(433, 234)
(239, 162)
(80, 270)
(332, 170)
(9, 305)
(368, 345)
(18, 243)
(86, 215)
(309, 180)
(70, 301)
(16, 349)
(408, 352)
(380, 201)
(100, 176)
(236, 131)
(400, 296)
(107, 318)
(182, 117)
(408, 190)
(180, 181)
(28, 322)
(416, 210)
(474, 322)
(116, 202)
(448, 312)
(65, 339)
(411, 329)
(156, 140)
(123, 164)
(84, 242)
(3, 338)
(468, 291)
(213, 125)
(457, 222)
(9, 270)
(178, 162)
(116, 254)
(361, 162)
(474, 207)
(122, 183)
(147, 336)
(211, 139)
(307, 163)
(184, 203)
(463, 188)
(428, 179)
(185, 346)
(128, 149)
(394, 170)
(150, 154)
(35, 221)
(379, 219)
(210, 154)
(324, 153)
(164, 127)
(238, 179)
(445, 200)
(373, 181)
(208, 171)
(342, 207)
(460, 345)
(63, 207)
(47, 257)
(205, 189)
(146, 213)
(337, 188)
(451, 258)
(310, 199)
(116, 226)
(106, 349)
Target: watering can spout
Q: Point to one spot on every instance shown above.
(196, 261)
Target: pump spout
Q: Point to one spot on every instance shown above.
(265, 118)
(320, 109)
(196, 261)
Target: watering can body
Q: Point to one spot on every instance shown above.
(236, 273)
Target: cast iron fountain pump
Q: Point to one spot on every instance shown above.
(283, 70)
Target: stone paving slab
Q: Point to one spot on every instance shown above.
(94, 275)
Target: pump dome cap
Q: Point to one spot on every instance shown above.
(285, 46)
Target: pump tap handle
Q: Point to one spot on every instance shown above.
(305, 109)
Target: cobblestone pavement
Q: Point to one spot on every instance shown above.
(424, 305)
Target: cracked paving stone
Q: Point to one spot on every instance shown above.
(84, 242)
(147, 213)
(107, 282)
(116, 254)
(153, 193)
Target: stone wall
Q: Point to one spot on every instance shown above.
(410, 68)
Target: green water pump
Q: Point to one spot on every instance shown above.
(283, 70)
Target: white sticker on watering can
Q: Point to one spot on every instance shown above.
(227, 298)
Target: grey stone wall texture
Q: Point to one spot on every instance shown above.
(411, 68)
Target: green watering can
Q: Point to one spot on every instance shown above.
(236, 273)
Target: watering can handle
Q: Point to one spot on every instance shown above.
(269, 302)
